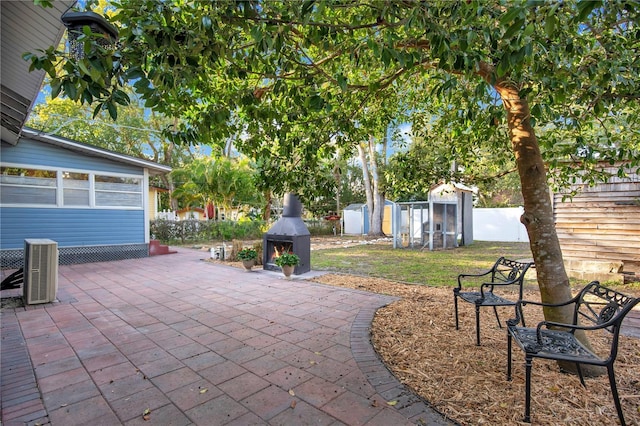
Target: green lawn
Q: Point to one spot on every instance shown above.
(437, 268)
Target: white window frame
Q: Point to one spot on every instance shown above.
(92, 188)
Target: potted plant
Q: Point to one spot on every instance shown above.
(248, 256)
(287, 262)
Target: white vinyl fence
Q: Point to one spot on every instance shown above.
(500, 224)
(167, 215)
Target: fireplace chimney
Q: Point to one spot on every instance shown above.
(290, 234)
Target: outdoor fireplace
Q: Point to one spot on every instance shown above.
(288, 234)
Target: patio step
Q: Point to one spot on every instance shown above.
(156, 249)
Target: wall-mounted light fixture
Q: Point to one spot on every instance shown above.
(76, 21)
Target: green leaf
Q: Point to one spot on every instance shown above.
(510, 15)
(121, 97)
(550, 25)
(134, 72)
(87, 97)
(113, 110)
(96, 65)
(515, 27)
(49, 68)
(83, 67)
(70, 90)
(342, 81)
(315, 102)
(141, 84)
(56, 87)
(151, 102)
(256, 33)
(529, 29)
(386, 56)
(536, 110)
(307, 7)
(585, 8)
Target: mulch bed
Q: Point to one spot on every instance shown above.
(417, 340)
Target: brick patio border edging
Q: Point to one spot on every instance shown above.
(415, 408)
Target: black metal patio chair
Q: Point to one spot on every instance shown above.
(601, 308)
(506, 274)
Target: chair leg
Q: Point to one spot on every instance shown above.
(508, 356)
(495, 311)
(579, 370)
(614, 391)
(477, 325)
(455, 306)
(527, 393)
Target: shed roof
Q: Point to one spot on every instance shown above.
(356, 206)
(455, 185)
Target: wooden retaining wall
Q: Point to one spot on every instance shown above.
(601, 225)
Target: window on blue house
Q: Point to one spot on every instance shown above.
(114, 191)
(27, 186)
(76, 189)
(22, 187)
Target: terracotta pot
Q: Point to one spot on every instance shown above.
(287, 270)
(248, 264)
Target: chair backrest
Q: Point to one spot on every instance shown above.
(602, 305)
(505, 270)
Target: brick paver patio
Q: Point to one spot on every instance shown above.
(194, 343)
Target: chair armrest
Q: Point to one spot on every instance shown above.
(571, 327)
(471, 275)
(550, 305)
(520, 303)
(496, 284)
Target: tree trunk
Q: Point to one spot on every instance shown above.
(373, 201)
(366, 180)
(538, 214)
(266, 214)
(378, 198)
(337, 176)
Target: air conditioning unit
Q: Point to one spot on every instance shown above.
(40, 271)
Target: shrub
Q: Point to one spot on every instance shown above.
(247, 253)
(287, 259)
(168, 231)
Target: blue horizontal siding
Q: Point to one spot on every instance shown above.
(70, 227)
(29, 151)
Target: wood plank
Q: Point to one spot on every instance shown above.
(599, 203)
(619, 226)
(573, 252)
(611, 219)
(628, 189)
(603, 240)
(589, 209)
(599, 246)
(599, 232)
(598, 220)
(623, 252)
(604, 201)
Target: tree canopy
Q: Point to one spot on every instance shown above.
(281, 71)
(226, 183)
